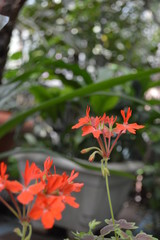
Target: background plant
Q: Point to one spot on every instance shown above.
(107, 132)
(74, 53)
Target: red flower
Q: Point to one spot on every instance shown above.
(12, 186)
(90, 129)
(63, 186)
(83, 121)
(50, 204)
(28, 192)
(89, 125)
(52, 192)
(109, 131)
(125, 126)
(47, 166)
(111, 121)
(3, 175)
(48, 209)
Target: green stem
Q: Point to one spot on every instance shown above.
(26, 226)
(24, 230)
(110, 204)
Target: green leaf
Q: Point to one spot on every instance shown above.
(9, 74)
(91, 88)
(42, 93)
(101, 104)
(93, 224)
(16, 55)
(77, 71)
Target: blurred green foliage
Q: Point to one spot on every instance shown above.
(73, 53)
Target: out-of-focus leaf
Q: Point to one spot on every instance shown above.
(16, 55)
(154, 102)
(42, 93)
(101, 104)
(81, 92)
(75, 69)
(144, 236)
(10, 74)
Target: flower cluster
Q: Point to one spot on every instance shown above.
(43, 194)
(107, 132)
(104, 128)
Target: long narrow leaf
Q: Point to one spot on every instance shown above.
(131, 98)
(76, 93)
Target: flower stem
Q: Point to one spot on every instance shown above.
(15, 204)
(101, 146)
(26, 226)
(110, 203)
(24, 230)
(115, 141)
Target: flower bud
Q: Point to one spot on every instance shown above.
(92, 156)
(18, 232)
(86, 150)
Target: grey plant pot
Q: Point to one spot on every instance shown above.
(93, 196)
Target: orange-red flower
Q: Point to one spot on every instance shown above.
(132, 127)
(12, 186)
(51, 202)
(29, 191)
(103, 130)
(91, 129)
(50, 192)
(63, 186)
(3, 175)
(48, 209)
(83, 121)
(43, 174)
(89, 125)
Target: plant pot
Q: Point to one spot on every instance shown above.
(93, 197)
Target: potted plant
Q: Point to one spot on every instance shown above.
(104, 129)
(94, 186)
(53, 190)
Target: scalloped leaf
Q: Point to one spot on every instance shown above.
(144, 236)
(123, 224)
(107, 229)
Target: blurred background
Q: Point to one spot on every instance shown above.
(57, 57)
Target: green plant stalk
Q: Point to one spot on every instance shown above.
(110, 203)
(26, 226)
(24, 230)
